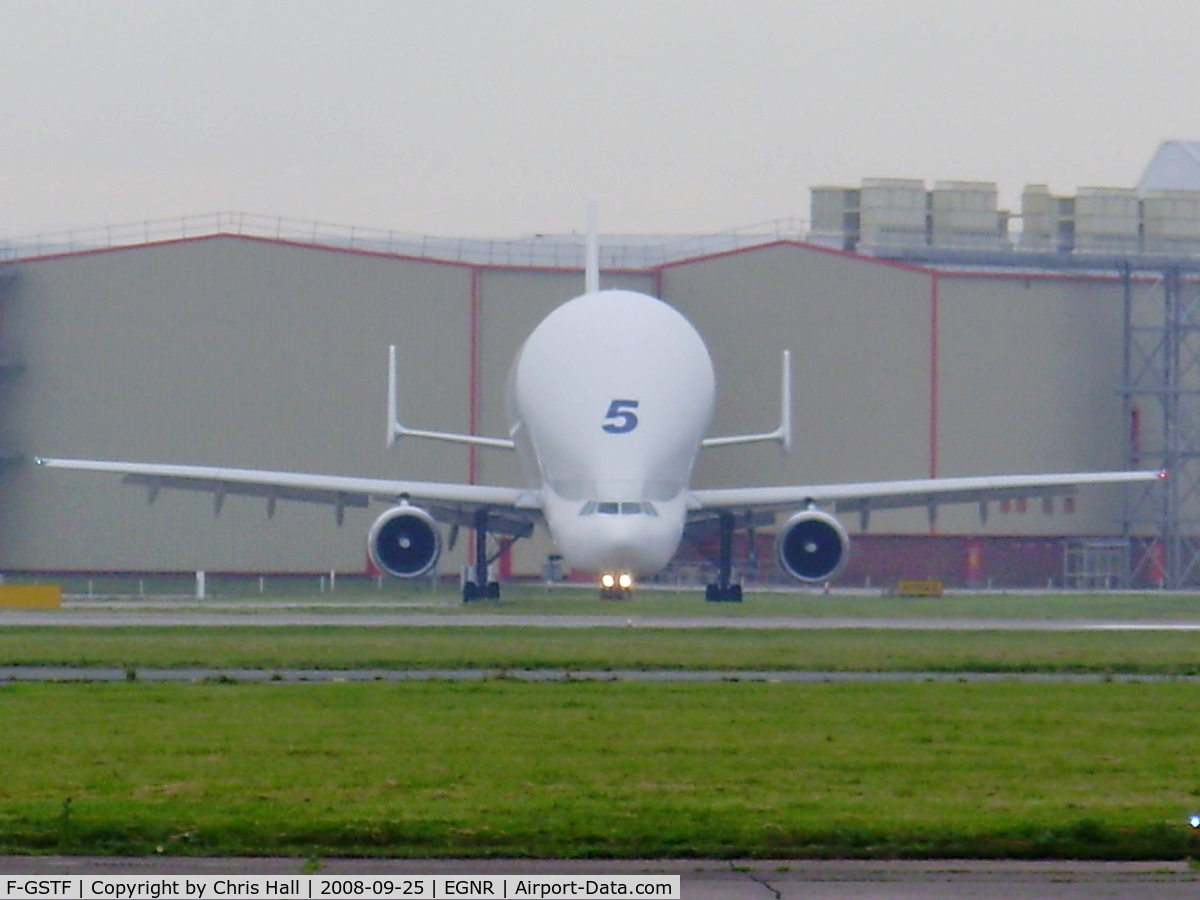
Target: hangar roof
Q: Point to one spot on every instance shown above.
(539, 250)
(1175, 166)
(628, 253)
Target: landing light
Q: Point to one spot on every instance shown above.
(607, 581)
(1194, 820)
(625, 581)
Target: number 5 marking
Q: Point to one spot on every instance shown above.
(621, 418)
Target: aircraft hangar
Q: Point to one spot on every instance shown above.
(259, 343)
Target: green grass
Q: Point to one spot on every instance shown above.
(499, 768)
(601, 769)
(1143, 652)
(584, 600)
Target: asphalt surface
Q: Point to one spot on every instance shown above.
(722, 879)
(70, 617)
(309, 676)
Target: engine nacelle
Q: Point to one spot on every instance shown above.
(812, 546)
(405, 542)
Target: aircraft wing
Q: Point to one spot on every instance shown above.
(446, 502)
(928, 492)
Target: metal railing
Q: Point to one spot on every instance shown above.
(543, 251)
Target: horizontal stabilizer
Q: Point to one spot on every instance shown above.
(396, 430)
(781, 435)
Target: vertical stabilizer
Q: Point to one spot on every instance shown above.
(591, 272)
(785, 404)
(393, 424)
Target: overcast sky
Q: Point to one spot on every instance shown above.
(474, 117)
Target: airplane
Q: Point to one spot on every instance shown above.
(609, 402)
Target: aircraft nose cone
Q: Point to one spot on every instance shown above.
(623, 554)
(635, 545)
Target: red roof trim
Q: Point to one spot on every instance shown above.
(327, 248)
(802, 245)
(653, 271)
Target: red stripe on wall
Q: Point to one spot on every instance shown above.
(933, 382)
(473, 388)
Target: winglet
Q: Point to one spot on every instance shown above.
(591, 272)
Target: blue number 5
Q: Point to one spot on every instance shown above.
(621, 418)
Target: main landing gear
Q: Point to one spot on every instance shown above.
(481, 588)
(723, 591)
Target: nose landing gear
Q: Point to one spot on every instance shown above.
(616, 587)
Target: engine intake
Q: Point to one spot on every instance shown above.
(812, 546)
(404, 542)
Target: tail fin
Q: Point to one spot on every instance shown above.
(591, 273)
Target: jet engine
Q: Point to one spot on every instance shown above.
(812, 546)
(405, 542)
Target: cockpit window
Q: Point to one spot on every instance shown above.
(610, 508)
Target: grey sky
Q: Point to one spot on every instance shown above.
(476, 117)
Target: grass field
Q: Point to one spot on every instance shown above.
(584, 600)
(501, 768)
(1110, 605)
(1144, 652)
(601, 769)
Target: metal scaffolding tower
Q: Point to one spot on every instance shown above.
(8, 367)
(1161, 392)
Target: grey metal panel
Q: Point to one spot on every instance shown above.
(859, 335)
(236, 351)
(1028, 375)
(222, 351)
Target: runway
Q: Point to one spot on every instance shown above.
(702, 879)
(330, 676)
(92, 618)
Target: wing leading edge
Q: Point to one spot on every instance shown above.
(928, 492)
(522, 506)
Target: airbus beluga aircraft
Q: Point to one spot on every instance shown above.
(609, 403)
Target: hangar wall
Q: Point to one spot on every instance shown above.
(859, 337)
(247, 352)
(221, 351)
(1028, 378)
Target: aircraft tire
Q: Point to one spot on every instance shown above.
(714, 593)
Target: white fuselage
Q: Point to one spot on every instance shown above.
(608, 401)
